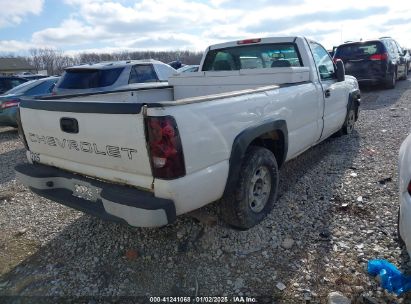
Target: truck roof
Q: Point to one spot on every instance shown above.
(110, 64)
(253, 41)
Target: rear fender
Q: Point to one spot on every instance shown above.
(243, 141)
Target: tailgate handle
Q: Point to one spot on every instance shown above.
(69, 125)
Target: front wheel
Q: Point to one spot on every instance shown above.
(349, 123)
(256, 190)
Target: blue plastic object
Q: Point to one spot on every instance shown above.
(391, 278)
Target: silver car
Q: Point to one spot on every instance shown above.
(115, 75)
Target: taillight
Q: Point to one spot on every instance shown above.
(335, 59)
(249, 41)
(409, 188)
(379, 57)
(165, 149)
(10, 103)
(20, 129)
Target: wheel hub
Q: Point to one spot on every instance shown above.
(260, 188)
(350, 121)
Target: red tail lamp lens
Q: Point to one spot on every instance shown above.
(164, 143)
(10, 104)
(379, 57)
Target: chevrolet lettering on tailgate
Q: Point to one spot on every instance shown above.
(83, 146)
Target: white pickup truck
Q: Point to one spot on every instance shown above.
(145, 156)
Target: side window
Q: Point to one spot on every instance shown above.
(323, 62)
(142, 73)
(400, 51)
(42, 88)
(391, 47)
(387, 46)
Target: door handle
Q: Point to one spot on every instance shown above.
(327, 93)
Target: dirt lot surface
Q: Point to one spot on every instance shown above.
(337, 209)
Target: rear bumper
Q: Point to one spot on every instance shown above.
(108, 201)
(373, 79)
(371, 76)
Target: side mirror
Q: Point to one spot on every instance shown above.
(340, 70)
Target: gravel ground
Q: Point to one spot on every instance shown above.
(337, 209)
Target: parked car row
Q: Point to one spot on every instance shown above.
(379, 61)
(10, 100)
(84, 79)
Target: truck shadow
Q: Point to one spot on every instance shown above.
(202, 257)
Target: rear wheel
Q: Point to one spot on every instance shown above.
(390, 84)
(256, 190)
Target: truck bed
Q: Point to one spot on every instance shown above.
(188, 85)
(200, 84)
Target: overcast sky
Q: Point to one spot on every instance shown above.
(112, 25)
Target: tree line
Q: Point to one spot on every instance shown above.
(55, 61)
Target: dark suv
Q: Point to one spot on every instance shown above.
(9, 82)
(374, 61)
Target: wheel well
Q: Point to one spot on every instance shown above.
(273, 141)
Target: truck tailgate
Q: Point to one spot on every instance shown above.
(95, 139)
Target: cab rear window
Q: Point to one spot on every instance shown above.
(253, 57)
(89, 78)
(359, 49)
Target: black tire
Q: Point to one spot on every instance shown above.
(349, 122)
(390, 84)
(250, 202)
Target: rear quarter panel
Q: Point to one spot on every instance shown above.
(208, 129)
